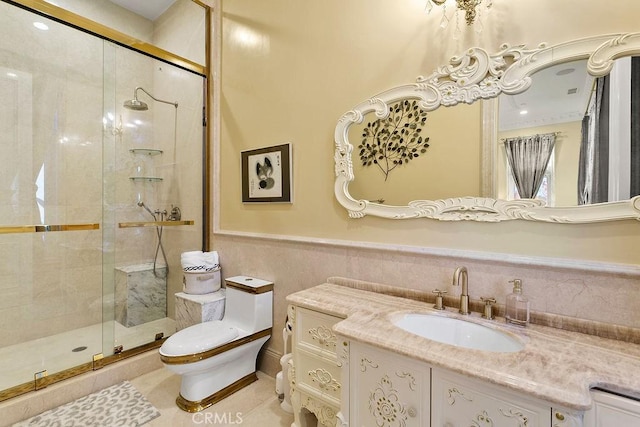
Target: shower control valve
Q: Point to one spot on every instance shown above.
(175, 214)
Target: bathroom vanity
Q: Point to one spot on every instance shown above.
(353, 365)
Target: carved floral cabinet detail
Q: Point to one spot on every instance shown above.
(386, 389)
(460, 401)
(315, 375)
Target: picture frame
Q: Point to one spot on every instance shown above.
(266, 174)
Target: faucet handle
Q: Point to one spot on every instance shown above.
(438, 305)
(488, 307)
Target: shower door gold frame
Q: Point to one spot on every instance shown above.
(66, 17)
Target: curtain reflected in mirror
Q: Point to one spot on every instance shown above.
(593, 173)
(528, 158)
(609, 154)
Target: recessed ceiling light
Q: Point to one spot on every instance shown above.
(41, 26)
(523, 112)
(565, 71)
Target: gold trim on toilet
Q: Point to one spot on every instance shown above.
(249, 289)
(192, 358)
(191, 406)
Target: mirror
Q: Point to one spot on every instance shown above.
(412, 153)
(426, 153)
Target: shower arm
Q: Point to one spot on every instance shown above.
(135, 96)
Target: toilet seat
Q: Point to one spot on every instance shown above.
(198, 338)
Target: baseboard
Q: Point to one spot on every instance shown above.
(269, 362)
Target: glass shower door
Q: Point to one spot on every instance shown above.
(50, 197)
(90, 241)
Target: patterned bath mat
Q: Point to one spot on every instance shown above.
(118, 405)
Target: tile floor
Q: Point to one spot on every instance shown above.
(256, 405)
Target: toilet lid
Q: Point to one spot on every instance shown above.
(198, 338)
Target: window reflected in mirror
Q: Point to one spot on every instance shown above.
(595, 159)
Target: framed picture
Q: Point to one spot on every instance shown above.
(266, 174)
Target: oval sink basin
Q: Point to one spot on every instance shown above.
(458, 332)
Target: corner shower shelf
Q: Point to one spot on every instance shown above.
(145, 178)
(154, 223)
(147, 151)
(42, 228)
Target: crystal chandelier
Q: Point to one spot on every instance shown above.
(470, 8)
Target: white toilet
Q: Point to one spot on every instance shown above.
(218, 358)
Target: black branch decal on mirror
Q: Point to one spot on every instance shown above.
(395, 140)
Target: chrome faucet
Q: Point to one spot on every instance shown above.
(464, 295)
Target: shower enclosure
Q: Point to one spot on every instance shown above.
(98, 195)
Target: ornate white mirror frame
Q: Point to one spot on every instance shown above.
(470, 77)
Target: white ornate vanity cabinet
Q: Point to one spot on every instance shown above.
(388, 390)
(315, 375)
(352, 366)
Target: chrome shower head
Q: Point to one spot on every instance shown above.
(137, 105)
(134, 104)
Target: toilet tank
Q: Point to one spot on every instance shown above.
(249, 304)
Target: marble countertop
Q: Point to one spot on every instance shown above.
(556, 365)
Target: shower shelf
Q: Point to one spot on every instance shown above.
(42, 228)
(145, 178)
(147, 151)
(154, 224)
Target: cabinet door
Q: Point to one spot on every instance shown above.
(610, 410)
(387, 390)
(460, 402)
(312, 332)
(319, 378)
(315, 375)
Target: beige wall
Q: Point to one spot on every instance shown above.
(291, 69)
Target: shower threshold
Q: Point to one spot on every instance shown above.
(20, 362)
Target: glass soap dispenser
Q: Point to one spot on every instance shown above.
(517, 305)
